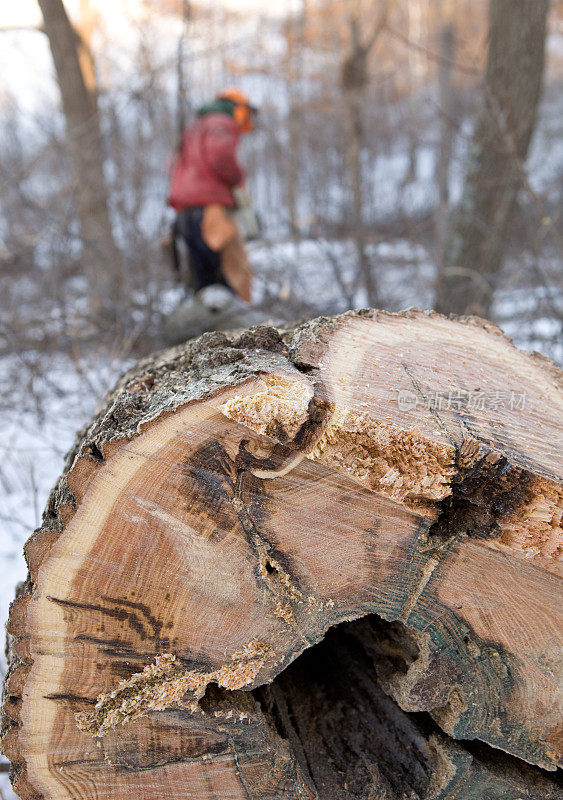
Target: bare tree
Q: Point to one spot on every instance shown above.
(354, 81)
(295, 33)
(76, 78)
(415, 77)
(445, 89)
(475, 243)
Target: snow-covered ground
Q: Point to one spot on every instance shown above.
(54, 397)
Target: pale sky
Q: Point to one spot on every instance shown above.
(26, 12)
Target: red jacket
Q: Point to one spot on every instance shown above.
(206, 168)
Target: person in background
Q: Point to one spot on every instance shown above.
(205, 180)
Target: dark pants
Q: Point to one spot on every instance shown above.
(205, 263)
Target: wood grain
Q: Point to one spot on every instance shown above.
(236, 499)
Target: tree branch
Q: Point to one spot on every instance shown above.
(12, 28)
(430, 54)
(380, 25)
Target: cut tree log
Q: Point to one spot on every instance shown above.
(395, 478)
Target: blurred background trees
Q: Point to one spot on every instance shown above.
(390, 166)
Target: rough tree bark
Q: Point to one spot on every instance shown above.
(75, 72)
(476, 241)
(393, 478)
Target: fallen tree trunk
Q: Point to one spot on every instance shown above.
(396, 479)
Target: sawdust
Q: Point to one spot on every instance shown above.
(164, 684)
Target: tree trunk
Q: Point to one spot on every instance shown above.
(445, 68)
(392, 478)
(354, 79)
(355, 98)
(295, 36)
(76, 79)
(475, 245)
(415, 79)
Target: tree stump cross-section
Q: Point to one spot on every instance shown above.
(323, 563)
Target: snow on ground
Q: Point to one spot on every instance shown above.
(323, 272)
(35, 433)
(50, 398)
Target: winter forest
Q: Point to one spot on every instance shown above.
(405, 153)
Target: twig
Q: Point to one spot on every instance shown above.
(12, 28)
(430, 54)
